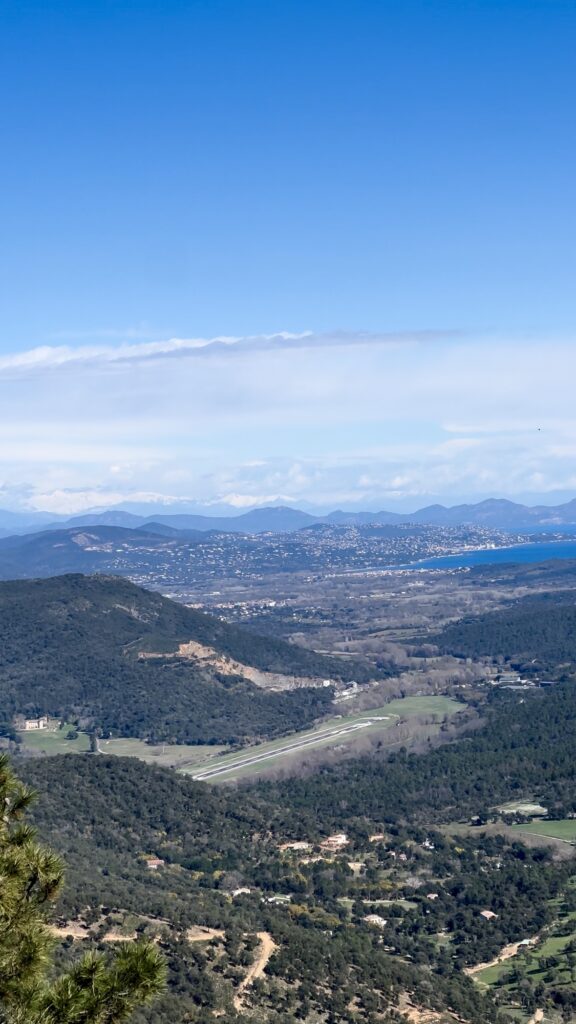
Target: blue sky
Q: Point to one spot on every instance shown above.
(393, 180)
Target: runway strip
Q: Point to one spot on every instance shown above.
(325, 734)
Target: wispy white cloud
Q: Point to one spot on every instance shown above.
(57, 356)
(72, 502)
(244, 501)
(330, 419)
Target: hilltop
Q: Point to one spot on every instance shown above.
(88, 550)
(104, 652)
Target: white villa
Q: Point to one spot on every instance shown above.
(35, 723)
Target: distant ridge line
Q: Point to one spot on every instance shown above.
(494, 513)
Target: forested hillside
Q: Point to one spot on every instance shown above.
(391, 920)
(107, 815)
(538, 636)
(72, 647)
(525, 749)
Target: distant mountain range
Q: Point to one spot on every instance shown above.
(494, 513)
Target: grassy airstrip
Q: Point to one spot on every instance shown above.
(360, 723)
(196, 760)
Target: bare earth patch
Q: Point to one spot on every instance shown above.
(200, 934)
(80, 931)
(418, 1015)
(194, 651)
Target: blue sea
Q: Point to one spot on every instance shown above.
(522, 553)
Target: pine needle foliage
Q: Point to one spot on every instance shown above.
(98, 989)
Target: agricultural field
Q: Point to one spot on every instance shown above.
(564, 829)
(334, 732)
(55, 741)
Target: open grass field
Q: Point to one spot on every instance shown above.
(565, 829)
(332, 732)
(410, 706)
(53, 741)
(491, 975)
(168, 755)
(534, 960)
(555, 945)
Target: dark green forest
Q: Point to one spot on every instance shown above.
(106, 815)
(526, 749)
(537, 636)
(70, 647)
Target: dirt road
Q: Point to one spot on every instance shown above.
(505, 954)
(267, 948)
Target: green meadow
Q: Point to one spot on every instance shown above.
(54, 741)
